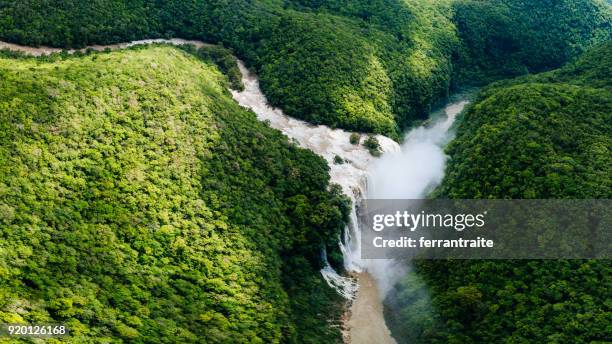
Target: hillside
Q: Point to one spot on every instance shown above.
(373, 66)
(542, 136)
(140, 203)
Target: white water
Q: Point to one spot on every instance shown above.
(328, 143)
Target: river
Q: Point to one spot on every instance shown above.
(409, 171)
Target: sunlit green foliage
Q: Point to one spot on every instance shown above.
(372, 144)
(140, 203)
(542, 136)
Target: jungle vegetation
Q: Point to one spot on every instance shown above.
(542, 136)
(372, 66)
(139, 203)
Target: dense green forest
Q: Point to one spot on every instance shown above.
(374, 65)
(139, 203)
(542, 136)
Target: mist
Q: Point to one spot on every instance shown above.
(419, 166)
(411, 173)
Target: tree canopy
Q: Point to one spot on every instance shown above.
(374, 66)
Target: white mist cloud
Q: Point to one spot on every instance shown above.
(409, 174)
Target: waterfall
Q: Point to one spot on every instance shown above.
(406, 172)
(328, 143)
